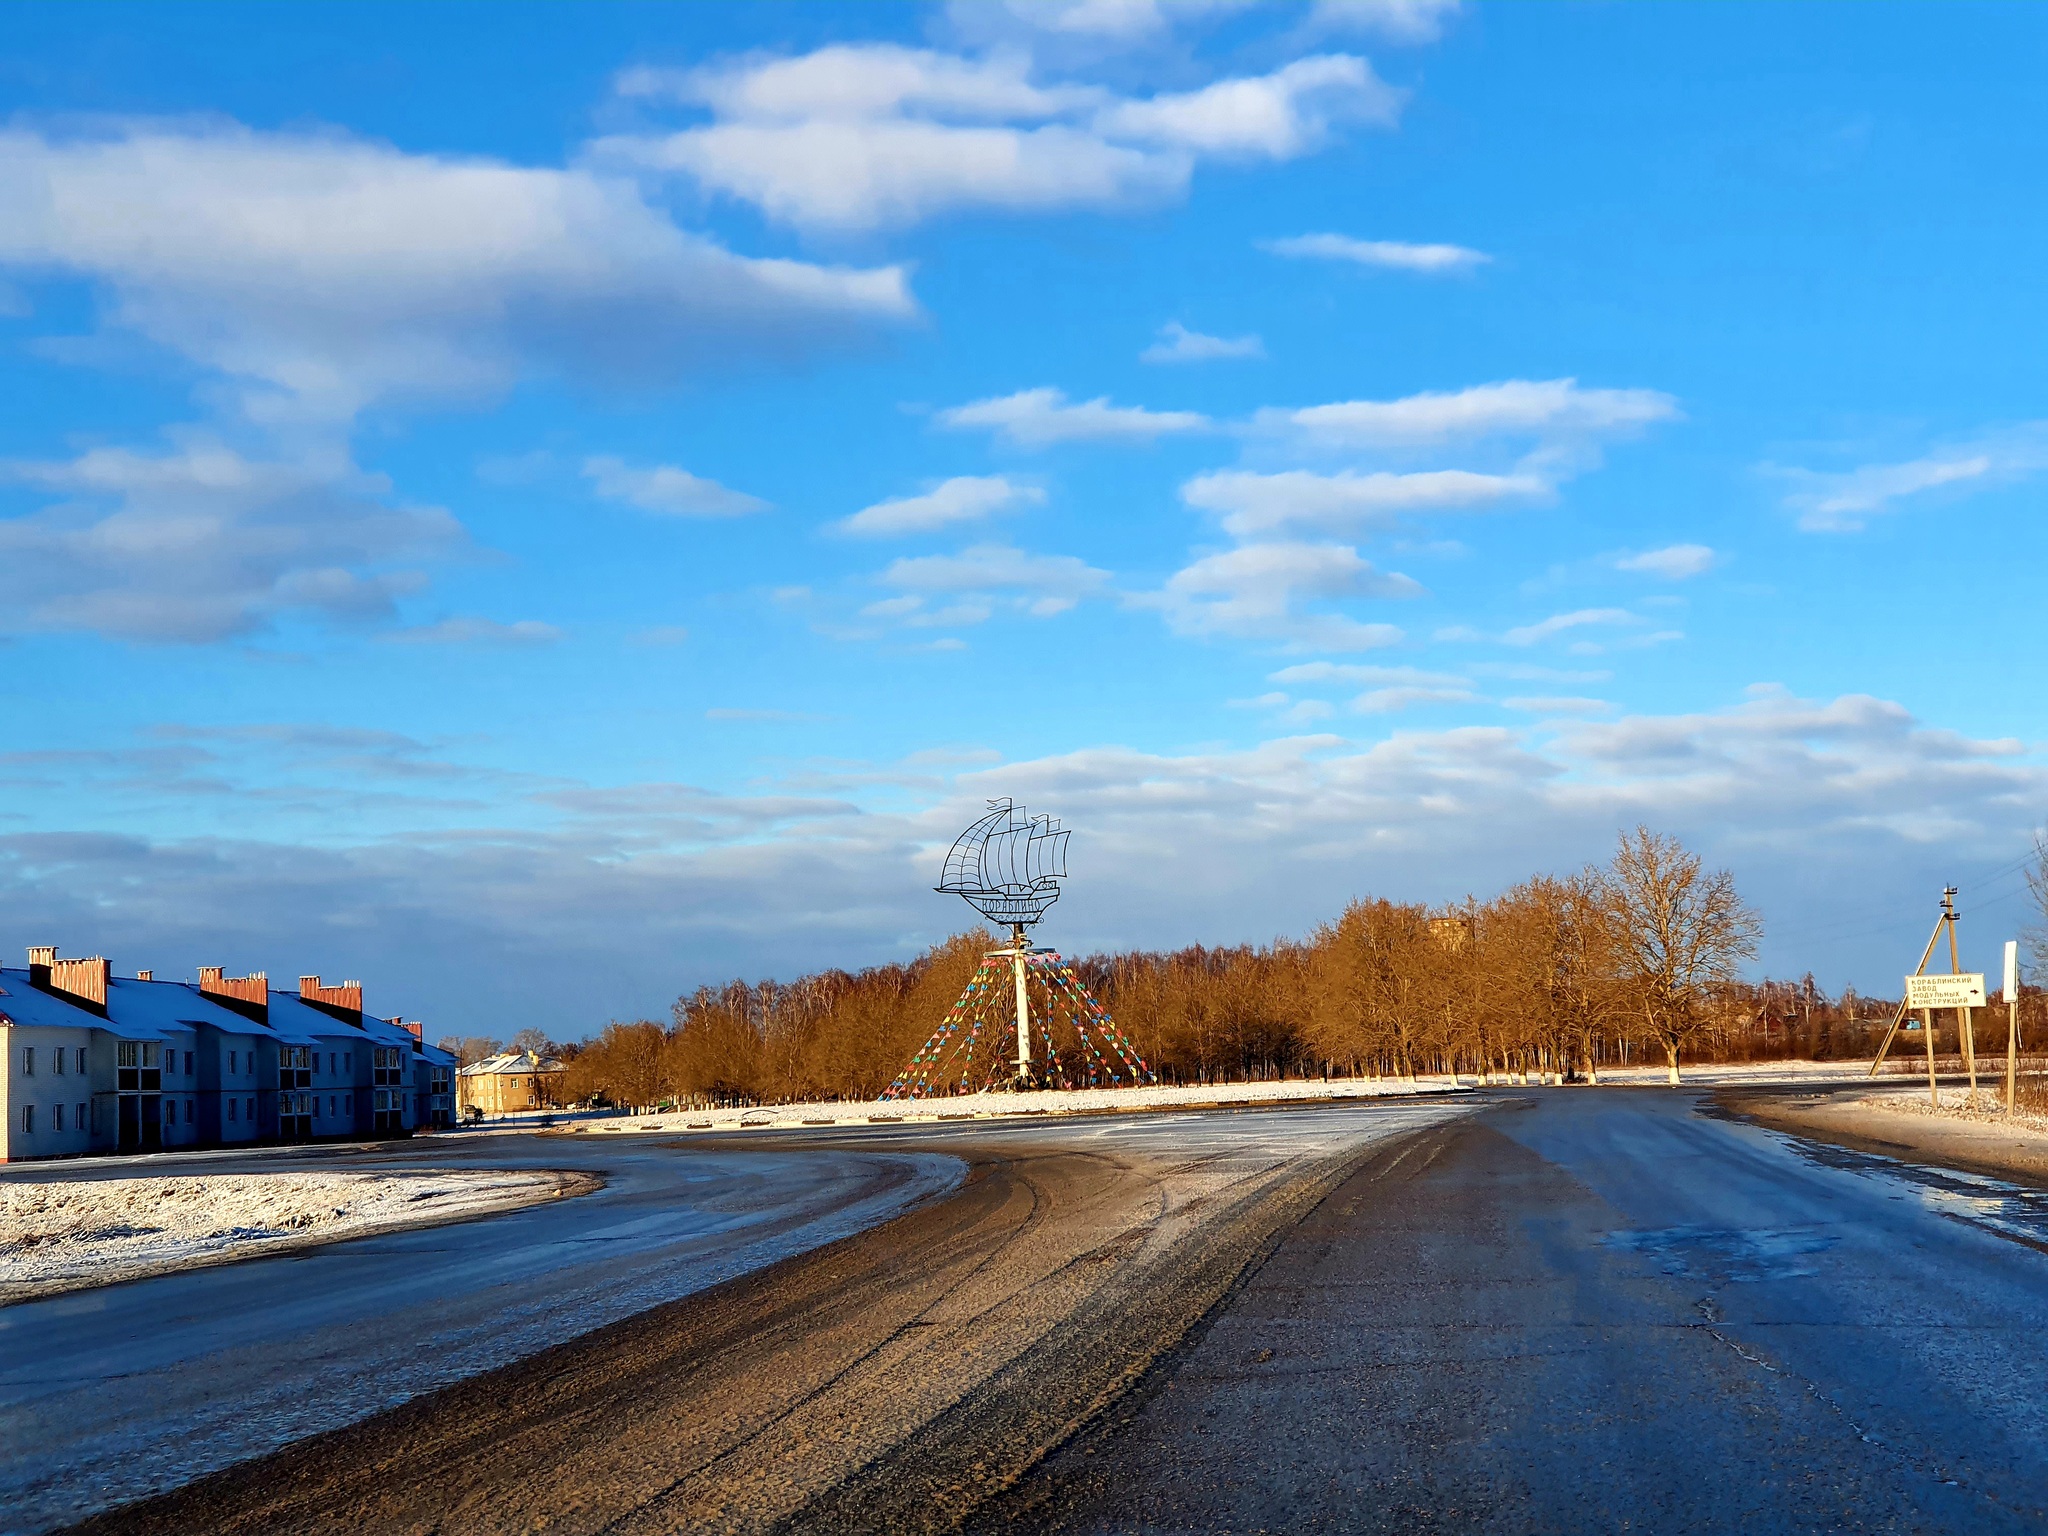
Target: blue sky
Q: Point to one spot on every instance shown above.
(540, 507)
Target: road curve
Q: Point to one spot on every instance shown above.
(890, 1381)
(113, 1394)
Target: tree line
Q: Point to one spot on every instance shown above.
(1636, 960)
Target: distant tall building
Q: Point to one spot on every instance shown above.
(94, 1062)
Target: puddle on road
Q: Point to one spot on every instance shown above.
(2010, 1210)
(1729, 1253)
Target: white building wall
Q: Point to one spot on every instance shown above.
(48, 1100)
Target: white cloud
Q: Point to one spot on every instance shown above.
(1550, 410)
(1843, 501)
(962, 499)
(1037, 418)
(1674, 562)
(202, 543)
(1389, 701)
(1276, 117)
(1394, 21)
(1263, 592)
(1093, 24)
(1178, 344)
(618, 897)
(1041, 585)
(1560, 623)
(322, 272)
(1356, 672)
(860, 82)
(665, 489)
(1397, 255)
(1557, 704)
(465, 629)
(1252, 504)
(862, 136)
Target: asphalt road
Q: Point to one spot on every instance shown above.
(111, 1394)
(1601, 1311)
(1541, 1310)
(884, 1382)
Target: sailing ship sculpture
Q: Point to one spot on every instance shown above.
(1008, 866)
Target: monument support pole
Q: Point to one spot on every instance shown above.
(1018, 945)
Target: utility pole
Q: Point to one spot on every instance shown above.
(1966, 1034)
(1899, 1014)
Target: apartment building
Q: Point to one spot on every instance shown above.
(93, 1062)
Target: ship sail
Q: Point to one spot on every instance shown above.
(1008, 864)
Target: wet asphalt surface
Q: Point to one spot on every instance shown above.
(1601, 1311)
(122, 1391)
(1570, 1310)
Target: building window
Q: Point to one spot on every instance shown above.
(78, 1118)
(188, 1063)
(57, 1118)
(232, 1105)
(57, 1060)
(81, 1061)
(232, 1058)
(28, 1119)
(252, 1109)
(330, 1104)
(28, 1061)
(170, 1111)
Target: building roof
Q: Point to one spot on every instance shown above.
(509, 1062)
(155, 1010)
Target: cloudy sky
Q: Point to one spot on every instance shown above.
(541, 507)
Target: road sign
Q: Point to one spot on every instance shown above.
(2012, 970)
(1945, 991)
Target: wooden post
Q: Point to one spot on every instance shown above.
(1899, 1015)
(1927, 1028)
(2012, 1024)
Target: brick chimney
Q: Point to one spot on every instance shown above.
(348, 995)
(248, 995)
(345, 1002)
(145, 975)
(78, 981)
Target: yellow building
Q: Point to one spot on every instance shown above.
(509, 1082)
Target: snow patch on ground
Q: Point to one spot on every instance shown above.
(62, 1234)
(1987, 1107)
(1001, 1106)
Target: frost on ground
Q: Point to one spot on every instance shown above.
(63, 1234)
(1051, 1101)
(1985, 1107)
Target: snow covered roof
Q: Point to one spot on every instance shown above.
(136, 1010)
(511, 1061)
(23, 1004)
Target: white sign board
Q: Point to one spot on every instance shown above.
(1945, 991)
(2012, 970)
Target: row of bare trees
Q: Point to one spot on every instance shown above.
(1637, 958)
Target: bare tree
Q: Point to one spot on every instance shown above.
(1679, 931)
(2037, 887)
(468, 1050)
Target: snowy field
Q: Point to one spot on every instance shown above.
(997, 1106)
(60, 1235)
